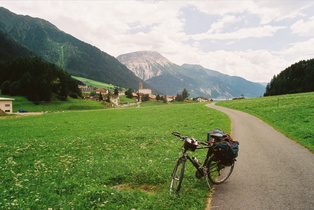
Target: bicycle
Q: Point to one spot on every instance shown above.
(213, 167)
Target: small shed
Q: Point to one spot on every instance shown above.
(6, 105)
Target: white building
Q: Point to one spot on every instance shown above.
(6, 105)
(142, 91)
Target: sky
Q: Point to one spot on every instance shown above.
(253, 39)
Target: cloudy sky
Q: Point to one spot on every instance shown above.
(254, 39)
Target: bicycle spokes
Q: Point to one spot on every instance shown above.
(177, 176)
(218, 173)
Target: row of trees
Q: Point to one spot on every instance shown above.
(297, 78)
(182, 96)
(37, 80)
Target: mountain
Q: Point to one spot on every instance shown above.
(170, 78)
(10, 49)
(146, 64)
(76, 57)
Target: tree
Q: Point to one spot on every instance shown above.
(37, 80)
(179, 97)
(297, 78)
(5, 88)
(100, 97)
(93, 93)
(185, 94)
(116, 91)
(129, 93)
(158, 97)
(145, 97)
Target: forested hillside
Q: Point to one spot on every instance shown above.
(10, 49)
(298, 78)
(37, 80)
(54, 46)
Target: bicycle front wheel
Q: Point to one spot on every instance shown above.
(218, 173)
(177, 175)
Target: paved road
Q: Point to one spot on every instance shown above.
(272, 171)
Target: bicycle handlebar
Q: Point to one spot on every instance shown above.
(183, 138)
(176, 134)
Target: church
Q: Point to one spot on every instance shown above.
(142, 91)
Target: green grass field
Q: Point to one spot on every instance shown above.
(292, 115)
(94, 83)
(54, 106)
(109, 158)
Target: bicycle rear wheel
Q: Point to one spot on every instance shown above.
(177, 175)
(218, 173)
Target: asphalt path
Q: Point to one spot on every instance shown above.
(271, 172)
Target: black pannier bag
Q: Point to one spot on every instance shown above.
(226, 148)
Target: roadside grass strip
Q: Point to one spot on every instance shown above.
(292, 115)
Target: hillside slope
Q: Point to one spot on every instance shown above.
(297, 78)
(64, 50)
(10, 49)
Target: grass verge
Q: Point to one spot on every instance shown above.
(292, 115)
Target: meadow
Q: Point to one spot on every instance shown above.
(54, 106)
(108, 158)
(94, 83)
(59, 106)
(292, 115)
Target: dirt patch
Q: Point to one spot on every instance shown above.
(6, 116)
(145, 187)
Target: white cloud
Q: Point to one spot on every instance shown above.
(270, 11)
(243, 33)
(108, 26)
(299, 51)
(219, 25)
(303, 28)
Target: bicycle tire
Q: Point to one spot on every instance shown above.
(177, 175)
(217, 172)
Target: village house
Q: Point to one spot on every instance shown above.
(202, 99)
(135, 96)
(102, 91)
(86, 88)
(115, 100)
(171, 98)
(122, 93)
(6, 105)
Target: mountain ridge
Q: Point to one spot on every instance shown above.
(172, 78)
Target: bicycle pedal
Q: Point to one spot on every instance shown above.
(201, 172)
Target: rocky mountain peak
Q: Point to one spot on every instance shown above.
(144, 57)
(145, 64)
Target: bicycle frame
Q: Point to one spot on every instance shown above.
(211, 169)
(209, 153)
